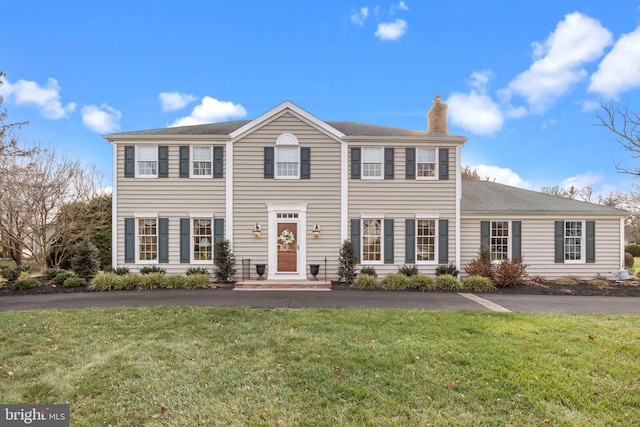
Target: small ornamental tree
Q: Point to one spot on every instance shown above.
(85, 260)
(347, 262)
(225, 262)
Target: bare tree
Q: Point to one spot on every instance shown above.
(8, 139)
(35, 188)
(471, 174)
(625, 125)
(585, 193)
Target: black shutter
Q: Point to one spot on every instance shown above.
(559, 241)
(388, 163)
(129, 161)
(485, 235)
(443, 159)
(591, 241)
(305, 163)
(163, 161)
(218, 158)
(411, 163)
(184, 161)
(355, 238)
(443, 241)
(516, 239)
(218, 234)
(163, 240)
(410, 241)
(129, 239)
(269, 153)
(356, 159)
(185, 240)
(388, 241)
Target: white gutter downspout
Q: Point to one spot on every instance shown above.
(622, 243)
(344, 191)
(228, 222)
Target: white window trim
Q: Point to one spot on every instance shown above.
(137, 161)
(370, 217)
(275, 160)
(436, 239)
(193, 216)
(436, 175)
(509, 245)
(583, 243)
(191, 160)
(139, 216)
(381, 177)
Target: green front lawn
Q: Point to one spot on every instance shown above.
(209, 366)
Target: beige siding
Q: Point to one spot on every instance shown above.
(171, 198)
(400, 199)
(538, 245)
(321, 193)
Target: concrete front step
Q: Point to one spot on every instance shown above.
(282, 285)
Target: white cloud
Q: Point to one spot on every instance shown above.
(391, 30)
(577, 40)
(210, 110)
(103, 119)
(47, 98)
(580, 181)
(619, 70)
(476, 111)
(588, 106)
(403, 6)
(359, 17)
(172, 101)
(399, 6)
(501, 175)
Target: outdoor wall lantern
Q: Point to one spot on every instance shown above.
(257, 230)
(316, 231)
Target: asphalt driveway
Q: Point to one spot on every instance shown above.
(327, 299)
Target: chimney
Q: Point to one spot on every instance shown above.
(437, 117)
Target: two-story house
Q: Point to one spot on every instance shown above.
(287, 188)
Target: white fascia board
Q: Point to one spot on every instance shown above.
(168, 138)
(286, 105)
(446, 139)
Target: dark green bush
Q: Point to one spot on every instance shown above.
(74, 282)
(225, 262)
(447, 269)
(121, 271)
(85, 261)
(13, 272)
(347, 262)
(633, 249)
(51, 273)
(197, 270)
(24, 284)
(147, 269)
(60, 278)
(409, 270)
(365, 281)
(628, 260)
(369, 270)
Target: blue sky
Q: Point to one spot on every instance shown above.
(522, 80)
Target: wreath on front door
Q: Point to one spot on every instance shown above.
(287, 237)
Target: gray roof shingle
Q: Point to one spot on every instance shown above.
(491, 197)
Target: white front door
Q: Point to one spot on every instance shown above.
(287, 242)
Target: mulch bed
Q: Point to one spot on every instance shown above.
(620, 289)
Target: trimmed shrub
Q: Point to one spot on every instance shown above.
(409, 270)
(633, 249)
(421, 282)
(51, 273)
(60, 278)
(477, 267)
(23, 284)
(449, 282)
(148, 269)
(478, 284)
(369, 270)
(628, 260)
(105, 282)
(395, 281)
(225, 262)
(85, 261)
(74, 282)
(447, 269)
(197, 270)
(347, 262)
(129, 281)
(195, 281)
(121, 271)
(151, 281)
(365, 281)
(13, 272)
(175, 281)
(510, 272)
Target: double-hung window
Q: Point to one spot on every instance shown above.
(147, 161)
(147, 239)
(426, 163)
(287, 162)
(426, 240)
(499, 240)
(202, 239)
(201, 162)
(372, 162)
(574, 247)
(371, 240)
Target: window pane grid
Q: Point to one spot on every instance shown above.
(426, 240)
(372, 162)
(147, 239)
(287, 161)
(287, 169)
(573, 241)
(201, 168)
(371, 240)
(499, 240)
(426, 162)
(202, 239)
